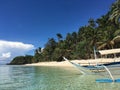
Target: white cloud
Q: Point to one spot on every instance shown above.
(5, 55)
(9, 49)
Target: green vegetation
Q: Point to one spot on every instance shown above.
(102, 33)
(22, 60)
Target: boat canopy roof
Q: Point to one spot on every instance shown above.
(110, 51)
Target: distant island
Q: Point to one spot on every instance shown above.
(102, 33)
(20, 60)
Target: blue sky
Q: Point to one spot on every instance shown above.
(34, 21)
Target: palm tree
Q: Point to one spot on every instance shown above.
(92, 23)
(103, 21)
(59, 36)
(69, 40)
(74, 37)
(115, 12)
(112, 39)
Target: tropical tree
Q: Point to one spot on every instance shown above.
(59, 36)
(37, 56)
(112, 37)
(81, 50)
(49, 49)
(115, 12)
(68, 41)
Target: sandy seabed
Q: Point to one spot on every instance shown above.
(81, 62)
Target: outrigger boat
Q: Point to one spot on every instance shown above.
(86, 69)
(97, 67)
(89, 68)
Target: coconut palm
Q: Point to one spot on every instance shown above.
(112, 39)
(59, 36)
(115, 12)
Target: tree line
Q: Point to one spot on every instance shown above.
(102, 33)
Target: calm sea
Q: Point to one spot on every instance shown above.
(49, 78)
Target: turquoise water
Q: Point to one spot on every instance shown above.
(50, 78)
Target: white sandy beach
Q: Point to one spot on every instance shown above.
(82, 62)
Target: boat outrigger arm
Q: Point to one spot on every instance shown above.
(106, 52)
(83, 70)
(108, 80)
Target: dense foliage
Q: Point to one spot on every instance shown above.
(102, 33)
(19, 60)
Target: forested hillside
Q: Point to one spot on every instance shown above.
(102, 33)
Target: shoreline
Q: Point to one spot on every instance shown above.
(53, 63)
(81, 62)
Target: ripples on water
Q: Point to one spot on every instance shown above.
(51, 78)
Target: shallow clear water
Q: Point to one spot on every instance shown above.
(50, 78)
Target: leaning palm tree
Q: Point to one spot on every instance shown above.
(111, 41)
(115, 12)
(107, 44)
(116, 39)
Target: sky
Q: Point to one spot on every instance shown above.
(27, 24)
